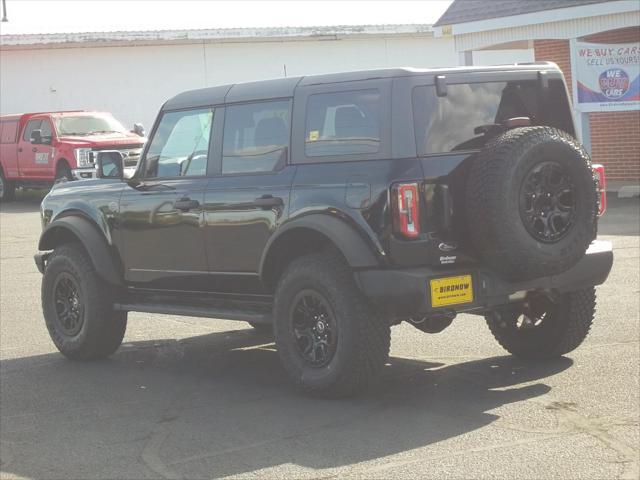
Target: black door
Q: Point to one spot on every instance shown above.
(249, 197)
(162, 210)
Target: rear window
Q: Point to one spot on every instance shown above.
(453, 122)
(8, 130)
(343, 123)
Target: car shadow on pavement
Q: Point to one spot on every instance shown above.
(25, 202)
(220, 404)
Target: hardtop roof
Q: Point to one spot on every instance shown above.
(285, 87)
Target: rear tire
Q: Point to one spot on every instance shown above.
(554, 328)
(7, 188)
(78, 306)
(330, 340)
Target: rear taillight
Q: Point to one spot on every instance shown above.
(406, 209)
(601, 186)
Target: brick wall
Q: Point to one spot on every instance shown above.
(615, 136)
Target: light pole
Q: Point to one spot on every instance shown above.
(4, 11)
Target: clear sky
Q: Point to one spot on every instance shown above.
(54, 16)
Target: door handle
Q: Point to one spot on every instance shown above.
(268, 201)
(20, 150)
(186, 204)
(34, 149)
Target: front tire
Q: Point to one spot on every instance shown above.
(549, 329)
(78, 306)
(330, 340)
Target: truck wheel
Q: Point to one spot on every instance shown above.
(7, 188)
(531, 202)
(63, 173)
(548, 329)
(78, 306)
(330, 340)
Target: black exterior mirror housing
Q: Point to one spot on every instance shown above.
(36, 137)
(109, 164)
(138, 129)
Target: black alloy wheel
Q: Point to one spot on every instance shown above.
(544, 327)
(69, 305)
(547, 206)
(314, 328)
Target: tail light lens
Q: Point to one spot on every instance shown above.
(406, 209)
(601, 186)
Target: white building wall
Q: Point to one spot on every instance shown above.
(132, 82)
(500, 57)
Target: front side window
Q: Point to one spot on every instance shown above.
(31, 126)
(343, 123)
(45, 128)
(256, 137)
(180, 145)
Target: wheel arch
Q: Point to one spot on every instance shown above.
(77, 228)
(311, 234)
(62, 161)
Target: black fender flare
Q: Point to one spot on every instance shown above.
(355, 249)
(91, 238)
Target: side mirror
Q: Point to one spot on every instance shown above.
(36, 137)
(109, 164)
(138, 129)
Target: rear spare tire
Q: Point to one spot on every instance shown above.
(531, 202)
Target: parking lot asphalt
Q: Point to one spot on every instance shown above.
(197, 398)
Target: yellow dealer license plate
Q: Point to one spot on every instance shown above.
(451, 290)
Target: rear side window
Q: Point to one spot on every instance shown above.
(256, 137)
(8, 131)
(180, 145)
(454, 122)
(343, 123)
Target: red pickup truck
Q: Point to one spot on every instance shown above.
(39, 149)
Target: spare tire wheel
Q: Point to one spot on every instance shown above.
(531, 202)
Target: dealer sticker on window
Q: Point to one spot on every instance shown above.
(451, 290)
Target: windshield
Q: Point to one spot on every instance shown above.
(86, 125)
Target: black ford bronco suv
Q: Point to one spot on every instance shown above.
(329, 208)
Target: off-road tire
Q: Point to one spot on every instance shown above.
(493, 198)
(63, 173)
(102, 327)
(363, 335)
(562, 331)
(7, 188)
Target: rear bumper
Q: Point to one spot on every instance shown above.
(406, 292)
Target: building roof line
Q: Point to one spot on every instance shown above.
(213, 35)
